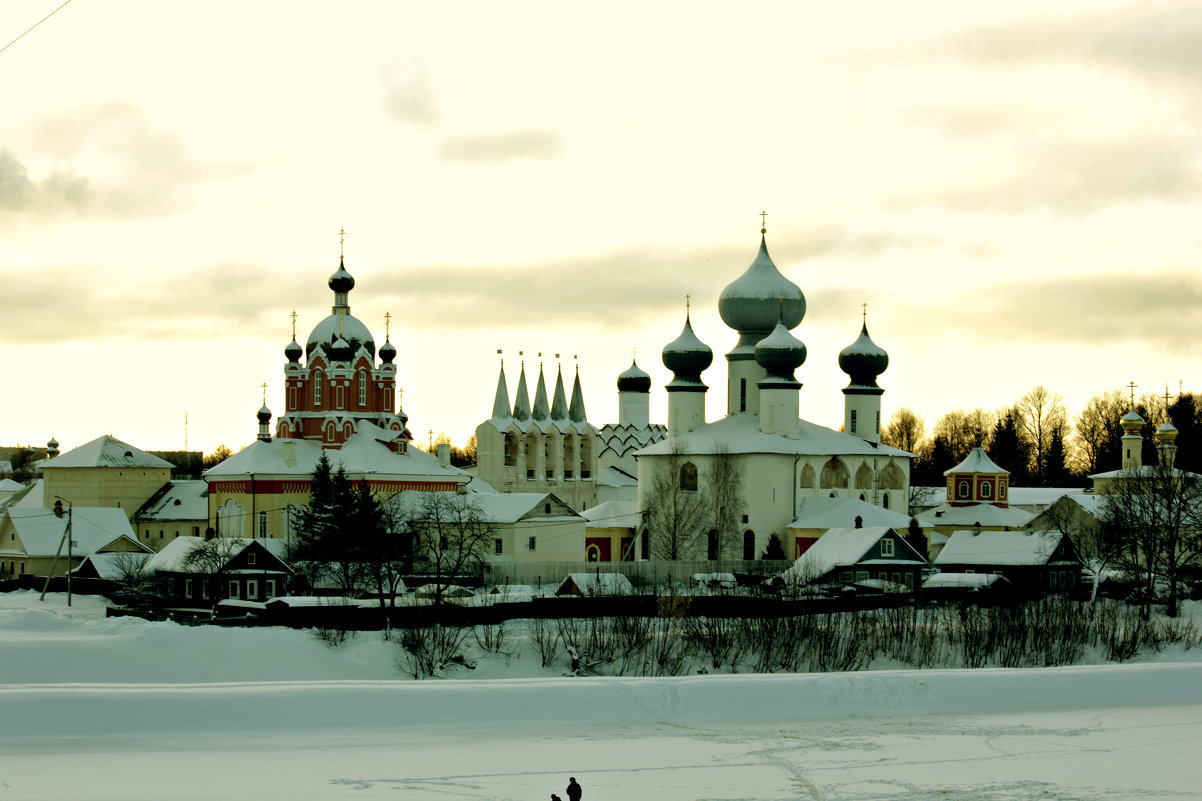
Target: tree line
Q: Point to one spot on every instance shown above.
(1040, 443)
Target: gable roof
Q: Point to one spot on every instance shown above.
(596, 584)
(92, 528)
(173, 557)
(1013, 548)
(984, 513)
(612, 514)
(113, 565)
(106, 451)
(740, 434)
(824, 513)
(840, 547)
(177, 500)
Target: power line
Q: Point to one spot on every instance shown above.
(36, 24)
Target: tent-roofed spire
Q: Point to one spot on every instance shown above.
(559, 404)
(576, 411)
(521, 400)
(500, 405)
(542, 408)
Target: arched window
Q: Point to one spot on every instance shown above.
(864, 477)
(807, 478)
(749, 545)
(885, 500)
(362, 387)
(688, 477)
(962, 490)
(330, 431)
(511, 449)
(593, 553)
(712, 545)
(834, 474)
(892, 477)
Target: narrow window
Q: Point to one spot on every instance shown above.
(742, 394)
(362, 388)
(268, 589)
(748, 545)
(187, 588)
(853, 421)
(688, 477)
(233, 589)
(252, 590)
(317, 388)
(262, 526)
(498, 546)
(530, 544)
(250, 558)
(878, 422)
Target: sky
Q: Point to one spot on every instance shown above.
(1013, 191)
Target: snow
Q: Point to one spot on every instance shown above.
(178, 500)
(121, 708)
(740, 434)
(977, 462)
(824, 513)
(985, 514)
(999, 548)
(92, 528)
(106, 451)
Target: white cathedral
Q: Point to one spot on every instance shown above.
(791, 469)
(798, 478)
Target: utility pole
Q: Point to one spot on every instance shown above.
(58, 512)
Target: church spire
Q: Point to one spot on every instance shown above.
(541, 411)
(576, 411)
(559, 405)
(521, 400)
(500, 406)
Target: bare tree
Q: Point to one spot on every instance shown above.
(1153, 517)
(1097, 551)
(724, 485)
(450, 533)
(674, 513)
(1098, 431)
(907, 431)
(960, 431)
(210, 560)
(1041, 416)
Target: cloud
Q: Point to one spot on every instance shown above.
(408, 97)
(500, 148)
(1075, 175)
(110, 162)
(604, 292)
(1158, 308)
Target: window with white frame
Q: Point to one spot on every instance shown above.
(187, 588)
(886, 547)
(262, 525)
(252, 589)
(268, 588)
(233, 593)
(362, 388)
(250, 558)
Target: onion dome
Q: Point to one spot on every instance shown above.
(754, 302)
(293, 351)
(863, 360)
(780, 353)
(342, 281)
(1132, 422)
(1166, 434)
(52, 448)
(387, 352)
(340, 327)
(634, 380)
(687, 356)
(264, 415)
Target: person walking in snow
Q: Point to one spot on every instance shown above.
(573, 789)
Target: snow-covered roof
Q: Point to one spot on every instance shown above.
(612, 514)
(977, 462)
(740, 433)
(501, 507)
(985, 514)
(114, 565)
(840, 547)
(824, 513)
(30, 497)
(1143, 471)
(598, 584)
(177, 500)
(92, 528)
(615, 477)
(172, 557)
(106, 451)
(961, 581)
(999, 548)
(8, 485)
(363, 455)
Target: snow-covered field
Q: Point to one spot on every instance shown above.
(95, 708)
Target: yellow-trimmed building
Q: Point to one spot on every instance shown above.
(104, 472)
(30, 538)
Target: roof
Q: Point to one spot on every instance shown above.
(985, 514)
(1143, 470)
(615, 477)
(363, 455)
(8, 485)
(1014, 548)
(171, 558)
(824, 513)
(106, 451)
(740, 433)
(977, 462)
(961, 581)
(177, 500)
(114, 565)
(612, 514)
(92, 528)
(497, 507)
(30, 497)
(840, 547)
(598, 584)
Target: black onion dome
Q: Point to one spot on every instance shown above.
(687, 356)
(264, 414)
(294, 351)
(634, 380)
(754, 302)
(780, 353)
(341, 280)
(863, 360)
(387, 352)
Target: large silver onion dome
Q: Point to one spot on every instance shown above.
(353, 332)
(780, 353)
(754, 302)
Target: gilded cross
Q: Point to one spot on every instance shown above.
(294, 325)
(763, 222)
(1132, 387)
(864, 307)
(341, 240)
(387, 320)
(264, 394)
(634, 354)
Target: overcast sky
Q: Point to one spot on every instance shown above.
(1016, 193)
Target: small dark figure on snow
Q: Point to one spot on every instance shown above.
(555, 797)
(573, 789)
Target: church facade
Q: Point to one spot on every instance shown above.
(780, 458)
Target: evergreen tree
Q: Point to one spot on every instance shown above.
(1009, 451)
(774, 549)
(1056, 472)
